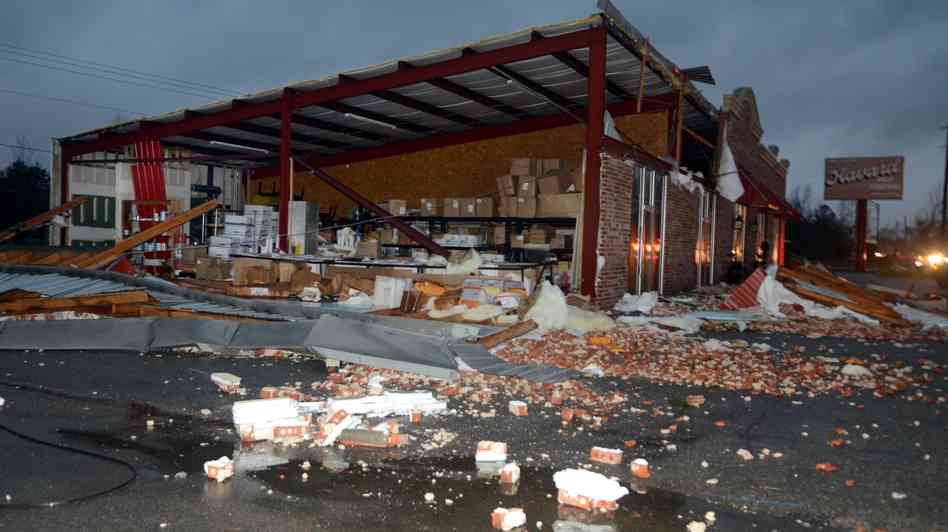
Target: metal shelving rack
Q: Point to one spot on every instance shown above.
(510, 225)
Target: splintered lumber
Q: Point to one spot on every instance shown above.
(17, 294)
(54, 304)
(878, 312)
(108, 256)
(26, 225)
(493, 340)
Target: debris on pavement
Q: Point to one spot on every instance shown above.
(587, 490)
(640, 468)
(491, 451)
(270, 419)
(227, 382)
(389, 403)
(507, 518)
(604, 455)
(220, 469)
(510, 473)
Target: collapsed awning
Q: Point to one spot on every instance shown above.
(761, 197)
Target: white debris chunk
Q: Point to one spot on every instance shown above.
(898, 495)
(389, 403)
(852, 370)
(697, 526)
(589, 484)
(227, 382)
(643, 303)
(220, 469)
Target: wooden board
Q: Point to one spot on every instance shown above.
(110, 255)
(54, 304)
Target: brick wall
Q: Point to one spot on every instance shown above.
(681, 239)
(615, 230)
(723, 238)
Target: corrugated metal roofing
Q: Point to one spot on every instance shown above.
(622, 71)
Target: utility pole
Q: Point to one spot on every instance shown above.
(944, 193)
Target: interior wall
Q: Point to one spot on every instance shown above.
(464, 170)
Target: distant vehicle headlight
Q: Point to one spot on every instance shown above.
(935, 259)
(879, 255)
(919, 263)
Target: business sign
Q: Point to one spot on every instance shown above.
(855, 178)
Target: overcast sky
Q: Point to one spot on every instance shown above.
(831, 78)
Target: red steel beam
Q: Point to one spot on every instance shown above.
(400, 78)
(529, 125)
(317, 123)
(396, 222)
(594, 133)
(340, 107)
(286, 144)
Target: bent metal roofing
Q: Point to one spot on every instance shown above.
(531, 74)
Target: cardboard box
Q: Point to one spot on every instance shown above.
(508, 207)
(523, 166)
(527, 187)
(550, 185)
(452, 207)
(431, 207)
(484, 207)
(388, 235)
(396, 207)
(526, 207)
(468, 208)
(559, 205)
(212, 269)
(507, 185)
(500, 235)
(247, 271)
(538, 235)
(368, 249)
(285, 271)
(557, 167)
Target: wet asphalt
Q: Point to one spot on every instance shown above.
(100, 402)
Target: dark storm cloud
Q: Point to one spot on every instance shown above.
(831, 78)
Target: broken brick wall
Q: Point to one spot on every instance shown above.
(615, 229)
(681, 240)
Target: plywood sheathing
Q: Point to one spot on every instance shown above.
(465, 170)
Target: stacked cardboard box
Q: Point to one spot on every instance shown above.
(529, 178)
(431, 207)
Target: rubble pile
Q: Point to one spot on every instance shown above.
(474, 389)
(663, 357)
(798, 323)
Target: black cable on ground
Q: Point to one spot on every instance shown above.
(73, 500)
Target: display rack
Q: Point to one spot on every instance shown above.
(510, 225)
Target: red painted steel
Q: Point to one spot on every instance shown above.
(528, 125)
(286, 145)
(596, 84)
(399, 78)
(409, 231)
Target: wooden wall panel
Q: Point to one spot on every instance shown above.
(465, 170)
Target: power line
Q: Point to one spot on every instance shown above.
(14, 146)
(93, 75)
(67, 100)
(75, 61)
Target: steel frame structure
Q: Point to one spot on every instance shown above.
(593, 38)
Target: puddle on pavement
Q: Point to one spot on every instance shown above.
(402, 484)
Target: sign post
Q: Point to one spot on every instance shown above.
(863, 179)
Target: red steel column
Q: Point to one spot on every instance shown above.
(286, 144)
(862, 219)
(596, 84)
(781, 239)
